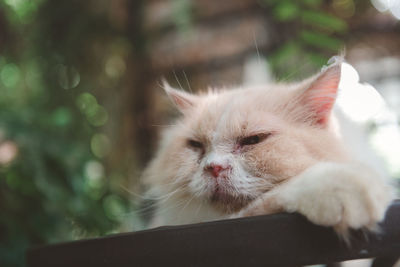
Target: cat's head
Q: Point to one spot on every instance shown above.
(228, 147)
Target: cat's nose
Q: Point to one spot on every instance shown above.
(216, 169)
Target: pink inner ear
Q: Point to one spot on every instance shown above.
(321, 95)
(181, 101)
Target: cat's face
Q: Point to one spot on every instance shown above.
(231, 146)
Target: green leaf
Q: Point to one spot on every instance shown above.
(312, 3)
(23, 8)
(285, 53)
(324, 21)
(182, 15)
(317, 59)
(10, 75)
(270, 2)
(285, 60)
(321, 40)
(286, 11)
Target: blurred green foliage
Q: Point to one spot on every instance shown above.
(54, 185)
(183, 15)
(315, 30)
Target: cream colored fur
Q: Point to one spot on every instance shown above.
(304, 165)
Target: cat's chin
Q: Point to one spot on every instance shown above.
(227, 202)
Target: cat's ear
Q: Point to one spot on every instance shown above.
(320, 95)
(182, 100)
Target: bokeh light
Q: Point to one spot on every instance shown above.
(346, 8)
(95, 114)
(87, 103)
(100, 145)
(68, 77)
(115, 207)
(10, 75)
(393, 6)
(98, 117)
(8, 152)
(61, 116)
(115, 66)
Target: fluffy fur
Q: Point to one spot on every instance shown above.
(206, 169)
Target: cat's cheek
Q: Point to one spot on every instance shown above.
(265, 163)
(191, 156)
(197, 186)
(287, 158)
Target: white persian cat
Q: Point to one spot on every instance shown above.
(263, 150)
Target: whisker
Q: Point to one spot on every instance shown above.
(187, 203)
(176, 78)
(149, 197)
(168, 195)
(127, 190)
(176, 205)
(159, 199)
(147, 210)
(199, 207)
(187, 81)
(256, 45)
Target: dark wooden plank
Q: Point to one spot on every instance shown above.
(273, 240)
(385, 262)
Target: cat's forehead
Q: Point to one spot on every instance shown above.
(232, 113)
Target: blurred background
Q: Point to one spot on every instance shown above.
(81, 105)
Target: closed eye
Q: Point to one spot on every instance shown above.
(253, 139)
(194, 144)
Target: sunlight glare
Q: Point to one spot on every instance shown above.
(361, 102)
(386, 141)
(388, 5)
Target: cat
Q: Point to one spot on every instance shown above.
(263, 150)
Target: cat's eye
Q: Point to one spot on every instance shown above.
(194, 144)
(253, 139)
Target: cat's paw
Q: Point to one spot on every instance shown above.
(338, 195)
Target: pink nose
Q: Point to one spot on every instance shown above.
(216, 169)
